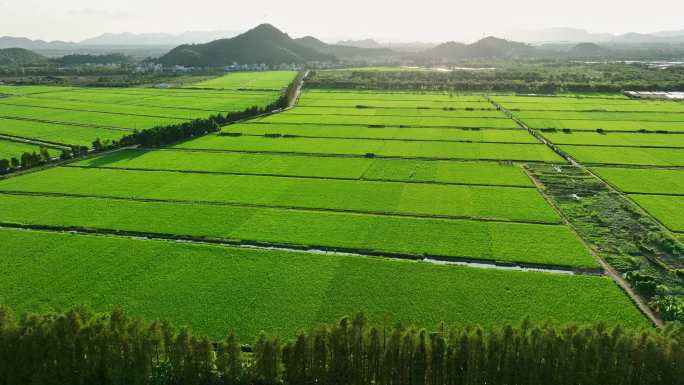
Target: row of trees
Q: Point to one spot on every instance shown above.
(26, 160)
(81, 347)
(522, 77)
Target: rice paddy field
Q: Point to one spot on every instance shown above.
(640, 150)
(215, 288)
(11, 149)
(273, 80)
(73, 116)
(279, 223)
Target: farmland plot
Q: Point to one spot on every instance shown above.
(669, 210)
(616, 139)
(58, 133)
(275, 80)
(413, 121)
(627, 155)
(522, 204)
(445, 238)
(294, 290)
(480, 173)
(400, 133)
(607, 125)
(384, 148)
(644, 180)
(10, 149)
(400, 112)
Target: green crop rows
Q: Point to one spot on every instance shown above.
(361, 132)
(293, 116)
(11, 149)
(667, 209)
(58, 133)
(400, 112)
(250, 80)
(644, 180)
(616, 139)
(322, 167)
(522, 204)
(503, 241)
(387, 148)
(215, 289)
(627, 155)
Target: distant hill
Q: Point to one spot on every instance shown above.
(576, 35)
(263, 44)
(19, 56)
(365, 43)
(588, 50)
(342, 51)
(489, 47)
(157, 39)
(22, 42)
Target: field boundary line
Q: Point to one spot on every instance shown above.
(621, 145)
(534, 133)
(286, 207)
(93, 111)
(382, 126)
(21, 139)
(114, 128)
(395, 116)
(385, 125)
(361, 178)
(295, 136)
(469, 109)
(311, 249)
(331, 155)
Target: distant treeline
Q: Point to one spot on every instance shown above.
(544, 77)
(81, 347)
(78, 59)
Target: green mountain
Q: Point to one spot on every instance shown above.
(19, 56)
(344, 51)
(489, 47)
(588, 50)
(263, 44)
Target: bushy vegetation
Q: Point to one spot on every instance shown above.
(530, 76)
(80, 346)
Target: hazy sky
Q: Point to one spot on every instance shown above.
(397, 20)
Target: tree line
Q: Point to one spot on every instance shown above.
(543, 77)
(83, 347)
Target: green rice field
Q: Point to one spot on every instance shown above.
(250, 80)
(627, 155)
(280, 293)
(58, 133)
(607, 125)
(669, 210)
(361, 132)
(292, 219)
(400, 112)
(616, 139)
(384, 148)
(483, 173)
(419, 199)
(11, 149)
(364, 233)
(293, 116)
(644, 180)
